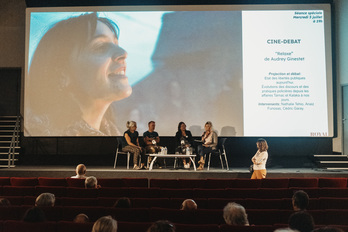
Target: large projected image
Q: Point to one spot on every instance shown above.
(91, 71)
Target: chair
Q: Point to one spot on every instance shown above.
(119, 151)
(220, 152)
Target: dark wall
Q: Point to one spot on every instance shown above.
(10, 91)
(283, 152)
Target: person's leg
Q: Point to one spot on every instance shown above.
(135, 151)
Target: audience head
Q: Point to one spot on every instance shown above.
(81, 170)
(181, 126)
(81, 218)
(300, 200)
(45, 199)
(301, 221)
(161, 226)
(91, 182)
(234, 214)
(123, 202)
(131, 124)
(189, 205)
(34, 214)
(4, 202)
(105, 224)
(285, 230)
(262, 145)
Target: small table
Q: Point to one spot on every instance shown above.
(171, 156)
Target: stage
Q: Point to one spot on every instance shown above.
(169, 172)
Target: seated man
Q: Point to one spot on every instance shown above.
(151, 140)
(188, 205)
(91, 183)
(80, 172)
(300, 200)
(234, 214)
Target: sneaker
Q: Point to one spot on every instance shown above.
(187, 166)
(136, 167)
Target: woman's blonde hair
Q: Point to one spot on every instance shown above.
(210, 125)
(105, 224)
(262, 145)
(130, 124)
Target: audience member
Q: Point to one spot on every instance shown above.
(81, 218)
(80, 172)
(4, 202)
(105, 224)
(123, 202)
(285, 230)
(301, 221)
(161, 226)
(188, 205)
(45, 199)
(300, 200)
(234, 214)
(34, 214)
(91, 183)
(209, 143)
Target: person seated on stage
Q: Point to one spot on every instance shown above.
(80, 172)
(34, 214)
(105, 224)
(123, 202)
(4, 202)
(91, 183)
(45, 199)
(234, 214)
(131, 144)
(184, 140)
(162, 226)
(209, 143)
(151, 139)
(81, 218)
(260, 159)
(301, 221)
(300, 200)
(189, 205)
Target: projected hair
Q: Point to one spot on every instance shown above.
(51, 63)
(262, 145)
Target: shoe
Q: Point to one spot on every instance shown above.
(201, 162)
(200, 168)
(143, 168)
(187, 166)
(136, 167)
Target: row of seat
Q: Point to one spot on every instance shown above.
(203, 203)
(260, 193)
(65, 226)
(200, 216)
(180, 183)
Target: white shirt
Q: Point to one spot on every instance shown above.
(78, 177)
(261, 159)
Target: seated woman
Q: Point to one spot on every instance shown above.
(183, 139)
(132, 145)
(209, 143)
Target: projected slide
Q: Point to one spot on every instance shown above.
(250, 72)
(284, 73)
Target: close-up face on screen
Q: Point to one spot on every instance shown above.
(252, 71)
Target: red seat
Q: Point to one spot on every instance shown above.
(15, 200)
(69, 201)
(312, 192)
(136, 182)
(75, 182)
(150, 202)
(267, 216)
(82, 193)
(144, 192)
(275, 183)
(51, 213)
(132, 226)
(332, 183)
(107, 201)
(10, 213)
(209, 216)
(333, 203)
(210, 193)
(94, 213)
(130, 215)
(253, 228)
(173, 215)
(177, 193)
(274, 193)
(246, 183)
(46, 181)
(29, 200)
(24, 181)
(111, 182)
(275, 204)
(164, 183)
(15, 226)
(5, 181)
(58, 191)
(18, 191)
(196, 227)
(242, 193)
(303, 182)
(220, 203)
(175, 203)
(333, 192)
(219, 183)
(192, 183)
(113, 192)
(67, 226)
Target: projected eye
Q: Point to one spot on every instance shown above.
(102, 48)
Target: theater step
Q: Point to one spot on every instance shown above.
(331, 162)
(9, 140)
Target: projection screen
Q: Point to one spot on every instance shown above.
(252, 70)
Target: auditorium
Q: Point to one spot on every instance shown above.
(164, 116)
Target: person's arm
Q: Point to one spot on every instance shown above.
(214, 140)
(259, 160)
(189, 137)
(128, 140)
(138, 142)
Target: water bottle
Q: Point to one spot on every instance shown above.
(187, 151)
(165, 150)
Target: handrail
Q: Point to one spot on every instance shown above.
(14, 143)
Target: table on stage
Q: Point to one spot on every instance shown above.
(171, 156)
